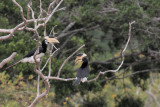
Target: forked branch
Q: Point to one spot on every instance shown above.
(122, 55)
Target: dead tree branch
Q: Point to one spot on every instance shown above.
(25, 22)
(36, 21)
(7, 59)
(21, 9)
(129, 75)
(122, 55)
(59, 72)
(45, 93)
(61, 79)
(63, 33)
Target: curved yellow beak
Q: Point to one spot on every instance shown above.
(51, 40)
(79, 58)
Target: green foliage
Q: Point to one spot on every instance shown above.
(94, 100)
(141, 79)
(17, 92)
(102, 44)
(128, 101)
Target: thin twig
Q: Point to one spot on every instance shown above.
(38, 79)
(60, 69)
(49, 59)
(45, 93)
(51, 5)
(41, 10)
(28, 12)
(54, 10)
(52, 30)
(21, 9)
(19, 27)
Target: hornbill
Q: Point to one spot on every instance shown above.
(51, 39)
(83, 71)
(30, 56)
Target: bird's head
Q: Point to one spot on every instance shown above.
(51, 39)
(44, 42)
(80, 57)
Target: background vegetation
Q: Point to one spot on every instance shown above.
(103, 26)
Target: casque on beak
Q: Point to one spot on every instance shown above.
(51, 40)
(79, 58)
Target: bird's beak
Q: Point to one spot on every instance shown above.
(51, 40)
(84, 55)
(78, 60)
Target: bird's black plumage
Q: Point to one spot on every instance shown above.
(82, 72)
(31, 53)
(29, 57)
(42, 49)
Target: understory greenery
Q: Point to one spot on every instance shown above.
(20, 92)
(103, 47)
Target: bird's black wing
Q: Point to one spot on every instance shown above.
(83, 72)
(86, 72)
(31, 53)
(77, 81)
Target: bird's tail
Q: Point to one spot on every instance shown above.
(78, 80)
(11, 65)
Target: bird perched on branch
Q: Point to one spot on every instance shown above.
(30, 56)
(83, 70)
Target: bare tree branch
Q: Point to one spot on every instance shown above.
(154, 98)
(68, 27)
(129, 75)
(61, 79)
(114, 59)
(49, 59)
(38, 79)
(47, 85)
(22, 25)
(28, 12)
(5, 30)
(150, 92)
(59, 72)
(63, 34)
(7, 59)
(54, 10)
(122, 55)
(64, 44)
(21, 9)
(41, 22)
(51, 5)
(41, 10)
(52, 31)
(19, 27)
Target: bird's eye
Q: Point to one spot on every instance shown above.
(46, 42)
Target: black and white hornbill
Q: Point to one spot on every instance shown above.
(30, 56)
(83, 70)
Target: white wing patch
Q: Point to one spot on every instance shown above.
(31, 59)
(84, 79)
